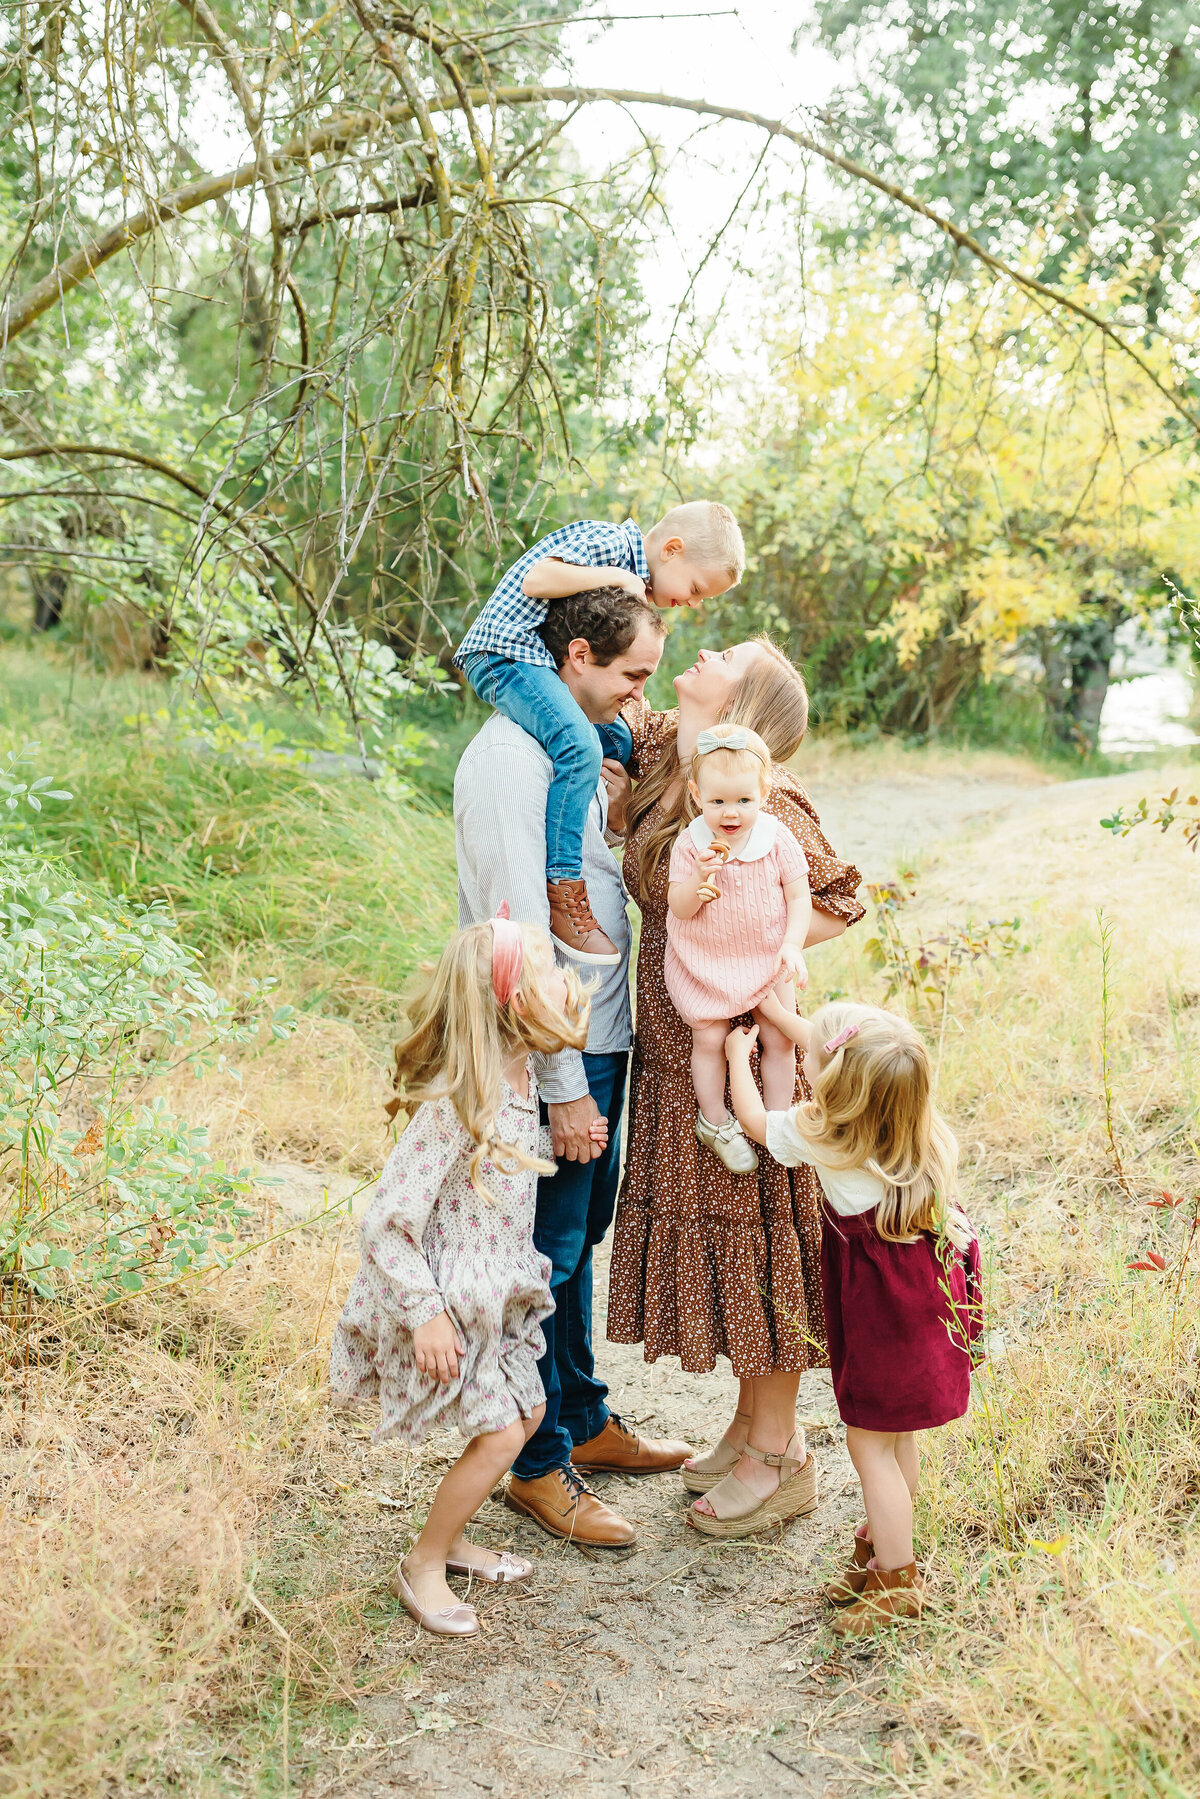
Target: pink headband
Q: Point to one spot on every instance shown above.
(835, 1043)
(508, 956)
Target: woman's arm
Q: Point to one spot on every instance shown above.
(747, 1100)
(823, 927)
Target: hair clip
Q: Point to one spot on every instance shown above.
(835, 1043)
(735, 739)
(508, 955)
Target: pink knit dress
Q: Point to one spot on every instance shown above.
(722, 962)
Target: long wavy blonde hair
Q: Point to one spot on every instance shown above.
(872, 1107)
(770, 699)
(461, 1037)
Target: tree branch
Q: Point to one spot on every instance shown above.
(80, 266)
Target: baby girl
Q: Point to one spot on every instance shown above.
(739, 912)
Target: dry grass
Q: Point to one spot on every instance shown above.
(1074, 1672)
(169, 1470)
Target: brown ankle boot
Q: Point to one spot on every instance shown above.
(574, 928)
(845, 1587)
(889, 1596)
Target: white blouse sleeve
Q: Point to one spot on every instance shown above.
(785, 1143)
(393, 1230)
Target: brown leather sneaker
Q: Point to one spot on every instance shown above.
(618, 1450)
(889, 1596)
(574, 928)
(563, 1504)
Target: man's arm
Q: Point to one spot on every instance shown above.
(502, 821)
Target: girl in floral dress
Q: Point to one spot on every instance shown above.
(443, 1321)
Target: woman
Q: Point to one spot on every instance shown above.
(706, 1262)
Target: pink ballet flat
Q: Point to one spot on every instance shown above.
(508, 1569)
(451, 1621)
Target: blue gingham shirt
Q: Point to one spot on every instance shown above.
(508, 624)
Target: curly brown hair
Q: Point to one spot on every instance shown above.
(607, 618)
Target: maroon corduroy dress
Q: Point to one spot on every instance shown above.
(900, 1322)
(901, 1319)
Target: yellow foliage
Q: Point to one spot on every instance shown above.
(984, 468)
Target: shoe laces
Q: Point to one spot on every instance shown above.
(573, 1481)
(578, 910)
(625, 1430)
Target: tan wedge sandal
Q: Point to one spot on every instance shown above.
(739, 1510)
(706, 1470)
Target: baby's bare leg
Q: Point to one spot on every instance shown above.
(777, 1051)
(709, 1070)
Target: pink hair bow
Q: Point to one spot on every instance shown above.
(835, 1043)
(508, 955)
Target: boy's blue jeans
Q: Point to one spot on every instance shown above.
(542, 704)
(574, 1209)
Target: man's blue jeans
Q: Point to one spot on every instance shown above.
(574, 1210)
(538, 700)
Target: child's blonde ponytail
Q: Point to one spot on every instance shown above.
(461, 1038)
(872, 1107)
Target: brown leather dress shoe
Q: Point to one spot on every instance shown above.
(574, 928)
(563, 1504)
(618, 1450)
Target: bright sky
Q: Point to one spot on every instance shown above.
(739, 55)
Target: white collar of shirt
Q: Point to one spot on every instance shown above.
(760, 842)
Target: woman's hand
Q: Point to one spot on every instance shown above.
(740, 1042)
(620, 791)
(438, 1346)
(791, 962)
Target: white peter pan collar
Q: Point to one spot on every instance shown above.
(760, 842)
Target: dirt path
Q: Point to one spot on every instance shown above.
(675, 1667)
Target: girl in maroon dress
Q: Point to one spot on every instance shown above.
(899, 1273)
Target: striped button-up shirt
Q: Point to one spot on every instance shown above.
(508, 623)
(500, 790)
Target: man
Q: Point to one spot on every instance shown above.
(605, 644)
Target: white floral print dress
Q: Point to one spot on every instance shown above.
(431, 1242)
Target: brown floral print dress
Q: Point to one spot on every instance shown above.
(705, 1262)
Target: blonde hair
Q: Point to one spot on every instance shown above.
(753, 758)
(872, 1107)
(461, 1038)
(710, 535)
(771, 700)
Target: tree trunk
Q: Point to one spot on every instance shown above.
(49, 597)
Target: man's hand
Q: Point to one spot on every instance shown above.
(620, 791)
(570, 1129)
(438, 1346)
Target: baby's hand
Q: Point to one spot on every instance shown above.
(438, 1346)
(791, 962)
(598, 1131)
(741, 1041)
(709, 863)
